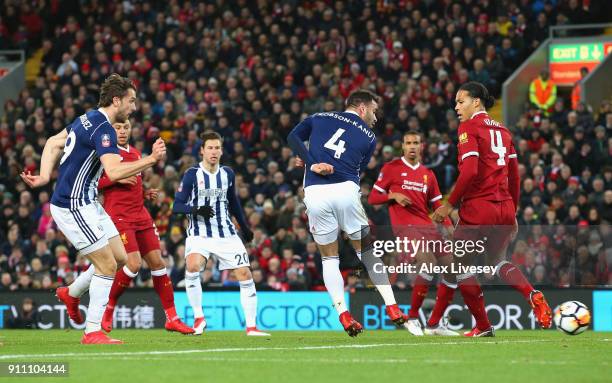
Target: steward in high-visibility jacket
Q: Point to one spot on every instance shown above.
(543, 92)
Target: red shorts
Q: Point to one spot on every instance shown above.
(491, 221)
(139, 236)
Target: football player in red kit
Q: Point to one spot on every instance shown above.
(410, 188)
(488, 189)
(124, 202)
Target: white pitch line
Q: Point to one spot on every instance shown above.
(240, 349)
(280, 360)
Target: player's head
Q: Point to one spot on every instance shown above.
(472, 97)
(118, 94)
(412, 145)
(124, 130)
(212, 147)
(365, 104)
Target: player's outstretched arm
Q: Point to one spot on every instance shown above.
(116, 170)
(51, 153)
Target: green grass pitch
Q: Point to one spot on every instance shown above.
(374, 356)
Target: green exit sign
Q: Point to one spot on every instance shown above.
(567, 53)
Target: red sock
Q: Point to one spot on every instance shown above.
(513, 276)
(122, 281)
(419, 292)
(474, 299)
(163, 287)
(443, 298)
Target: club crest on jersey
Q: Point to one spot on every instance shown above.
(106, 141)
(463, 138)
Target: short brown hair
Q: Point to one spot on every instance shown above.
(413, 133)
(210, 135)
(361, 96)
(114, 86)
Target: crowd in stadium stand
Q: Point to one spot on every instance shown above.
(251, 71)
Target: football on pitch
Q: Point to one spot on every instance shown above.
(572, 317)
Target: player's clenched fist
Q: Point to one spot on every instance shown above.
(159, 150)
(322, 168)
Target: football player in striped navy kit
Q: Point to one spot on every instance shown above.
(340, 147)
(89, 145)
(207, 195)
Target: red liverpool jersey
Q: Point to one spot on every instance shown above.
(491, 142)
(125, 203)
(417, 183)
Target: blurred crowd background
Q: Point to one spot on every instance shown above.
(251, 70)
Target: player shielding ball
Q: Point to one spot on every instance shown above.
(340, 147)
(409, 188)
(207, 194)
(89, 144)
(124, 203)
(488, 189)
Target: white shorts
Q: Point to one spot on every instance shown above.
(230, 251)
(88, 228)
(335, 207)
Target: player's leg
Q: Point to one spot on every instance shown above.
(421, 284)
(444, 296)
(81, 284)
(378, 275)
(352, 220)
(468, 283)
(248, 300)
(163, 287)
(323, 224)
(511, 274)
(420, 288)
(81, 227)
(334, 283)
(123, 246)
(196, 254)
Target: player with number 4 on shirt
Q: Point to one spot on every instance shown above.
(488, 189)
(340, 145)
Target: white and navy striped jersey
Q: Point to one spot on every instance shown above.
(89, 137)
(198, 188)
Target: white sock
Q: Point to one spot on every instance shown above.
(81, 284)
(193, 286)
(248, 299)
(379, 279)
(334, 282)
(98, 298)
